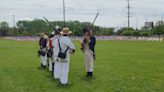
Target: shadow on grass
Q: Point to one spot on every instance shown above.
(88, 78)
(57, 82)
(40, 68)
(51, 78)
(48, 75)
(67, 86)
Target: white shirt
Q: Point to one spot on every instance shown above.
(55, 46)
(66, 42)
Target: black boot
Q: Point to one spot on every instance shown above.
(43, 66)
(88, 74)
(91, 74)
(52, 69)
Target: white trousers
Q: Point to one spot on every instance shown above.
(50, 63)
(88, 61)
(61, 69)
(57, 68)
(43, 60)
(64, 71)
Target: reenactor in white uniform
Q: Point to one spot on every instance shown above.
(56, 66)
(65, 47)
(55, 57)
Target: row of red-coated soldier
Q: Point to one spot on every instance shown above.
(56, 49)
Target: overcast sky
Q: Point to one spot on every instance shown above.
(112, 12)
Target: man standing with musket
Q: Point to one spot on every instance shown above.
(50, 52)
(43, 49)
(88, 48)
(56, 67)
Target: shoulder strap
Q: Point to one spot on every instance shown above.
(60, 47)
(66, 49)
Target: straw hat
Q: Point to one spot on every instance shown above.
(65, 31)
(42, 34)
(45, 36)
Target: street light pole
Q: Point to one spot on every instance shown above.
(128, 7)
(14, 25)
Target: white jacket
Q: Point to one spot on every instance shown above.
(55, 46)
(66, 42)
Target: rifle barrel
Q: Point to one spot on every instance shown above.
(94, 20)
(51, 25)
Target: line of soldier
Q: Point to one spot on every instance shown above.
(56, 49)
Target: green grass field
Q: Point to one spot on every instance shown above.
(121, 66)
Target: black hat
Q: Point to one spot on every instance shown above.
(85, 30)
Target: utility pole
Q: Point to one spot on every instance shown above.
(64, 12)
(124, 24)
(128, 7)
(14, 25)
(146, 19)
(162, 18)
(136, 24)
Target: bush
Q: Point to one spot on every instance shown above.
(144, 33)
(3, 32)
(136, 33)
(127, 33)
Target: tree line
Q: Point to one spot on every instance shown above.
(156, 30)
(36, 26)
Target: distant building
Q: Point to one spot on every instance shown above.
(149, 24)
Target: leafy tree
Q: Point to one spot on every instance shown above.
(4, 24)
(159, 23)
(127, 33)
(4, 28)
(144, 33)
(159, 28)
(136, 33)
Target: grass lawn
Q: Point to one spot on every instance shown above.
(120, 66)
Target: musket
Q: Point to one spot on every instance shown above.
(51, 25)
(85, 40)
(94, 21)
